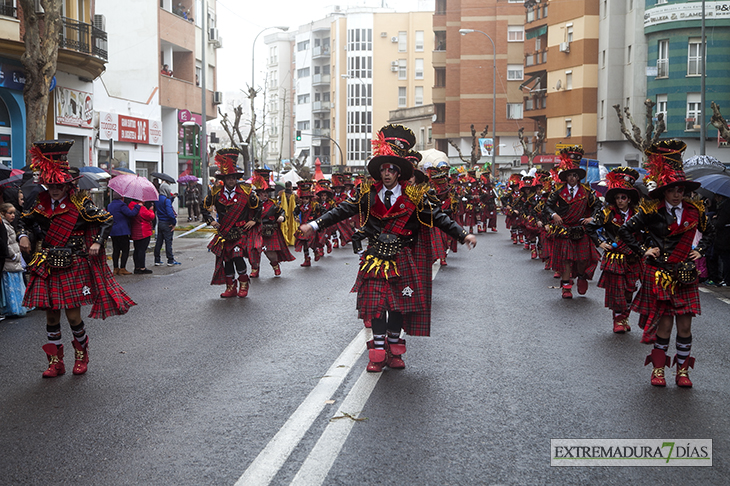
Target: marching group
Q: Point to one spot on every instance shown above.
(410, 219)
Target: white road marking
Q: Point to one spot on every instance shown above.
(723, 299)
(319, 462)
(267, 464)
(707, 291)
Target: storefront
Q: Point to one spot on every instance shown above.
(188, 143)
(12, 114)
(128, 142)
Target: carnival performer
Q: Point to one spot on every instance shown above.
(272, 239)
(326, 198)
(237, 210)
(288, 201)
(620, 267)
(669, 286)
(543, 189)
(488, 201)
(571, 206)
(343, 229)
(509, 198)
(68, 269)
(308, 209)
(389, 284)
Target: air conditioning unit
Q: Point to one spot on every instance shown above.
(100, 22)
(393, 69)
(213, 35)
(383, 34)
(393, 63)
(217, 98)
(565, 47)
(394, 39)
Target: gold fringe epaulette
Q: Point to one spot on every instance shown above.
(216, 189)
(245, 187)
(649, 206)
(665, 280)
(415, 193)
(700, 205)
(613, 256)
(386, 267)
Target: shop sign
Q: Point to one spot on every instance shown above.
(74, 108)
(122, 128)
(684, 11)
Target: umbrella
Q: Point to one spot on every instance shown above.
(121, 171)
(87, 181)
(5, 171)
(717, 183)
(164, 177)
(187, 178)
(11, 179)
(97, 176)
(431, 158)
(134, 187)
(702, 165)
(92, 170)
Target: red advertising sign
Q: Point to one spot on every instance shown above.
(135, 130)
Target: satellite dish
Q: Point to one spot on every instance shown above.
(434, 117)
(558, 85)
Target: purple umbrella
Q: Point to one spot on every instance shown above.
(187, 178)
(134, 187)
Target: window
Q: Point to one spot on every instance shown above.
(568, 127)
(569, 79)
(402, 97)
(303, 73)
(515, 33)
(302, 99)
(303, 46)
(693, 111)
(418, 99)
(661, 105)
(419, 68)
(603, 108)
(402, 73)
(662, 62)
(303, 125)
(402, 41)
(514, 111)
(430, 135)
(603, 59)
(694, 55)
(661, 2)
(273, 102)
(273, 146)
(273, 57)
(628, 55)
(514, 72)
(569, 33)
(439, 77)
(538, 43)
(419, 41)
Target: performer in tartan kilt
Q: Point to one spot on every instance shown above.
(509, 198)
(272, 238)
(571, 206)
(346, 228)
(543, 189)
(68, 269)
(389, 284)
(669, 285)
(472, 200)
(442, 188)
(488, 201)
(326, 197)
(621, 268)
(238, 210)
(307, 209)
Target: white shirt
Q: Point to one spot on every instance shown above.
(230, 193)
(678, 212)
(55, 204)
(395, 190)
(573, 190)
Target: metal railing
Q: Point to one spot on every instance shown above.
(82, 37)
(9, 11)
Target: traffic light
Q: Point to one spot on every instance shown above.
(299, 135)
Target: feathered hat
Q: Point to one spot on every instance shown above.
(570, 158)
(665, 167)
(514, 180)
(226, 160)
(390, 146)
(260, 179)
(338, 181)
(50, 159)
(621, 180)
(304, 188)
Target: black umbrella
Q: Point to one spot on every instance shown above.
(5, 171)
(87, 181)
(163, 176)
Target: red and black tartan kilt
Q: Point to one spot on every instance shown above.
(619, 276)
(546, 244)
(654, 301)
(63, 288)
(346, 230)
(438, 244)
(566, 250)
(404, 293)
(312, 242)
(419, 323)
(276, 243)
(470, 217)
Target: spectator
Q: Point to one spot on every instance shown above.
(192, 200)
(141, 232)
(120, 232)
(166, 221)
(13, 285)
(14, 196)
(722, 239)
(166, 70)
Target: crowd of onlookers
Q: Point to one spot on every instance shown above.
(717, 260)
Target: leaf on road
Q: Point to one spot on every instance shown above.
(350, 416)
(329, 402)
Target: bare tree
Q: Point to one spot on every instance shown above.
(300, 165)
(537, 144)
(652, 134)
(476, 152)
(718, 121)
(232, 127)
(42, 31)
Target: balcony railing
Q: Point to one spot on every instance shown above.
(9, 11)
(662, 68)
(321, 79)
(84, 38)
(321, 106)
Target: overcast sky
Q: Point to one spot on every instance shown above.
(239, 21)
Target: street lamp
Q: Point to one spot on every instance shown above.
(494, 92)
(253, 74)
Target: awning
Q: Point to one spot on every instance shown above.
(536, 32)
(531, 79)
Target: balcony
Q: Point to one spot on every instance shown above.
(320, 79)
(662, 68)
(320, 106)
(8, 11)
(180, 94)
(84, 38)
(438, 59)
(321, 132)
(320, 51)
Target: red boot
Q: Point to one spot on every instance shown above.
(231, 288)
(443, 262)
(336, 243)
(567, 288)
(582, 285)
(378, 357)
(514, 238)
(277, 269)
(254, 272)
(55, 360)
(82, 357)
(682, 378)
(318, 253)
(494, 230)
(621, 324)
(395, 354)
(368, 323)
(329, 246)
(533, 251)
(307, 262)
(659, 359)
(243, 289)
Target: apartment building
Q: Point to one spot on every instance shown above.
(82, 57)
(280, 100)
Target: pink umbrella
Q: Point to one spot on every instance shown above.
(134, 187)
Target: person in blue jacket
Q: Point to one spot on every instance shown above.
(166, 221)
(120, 232)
